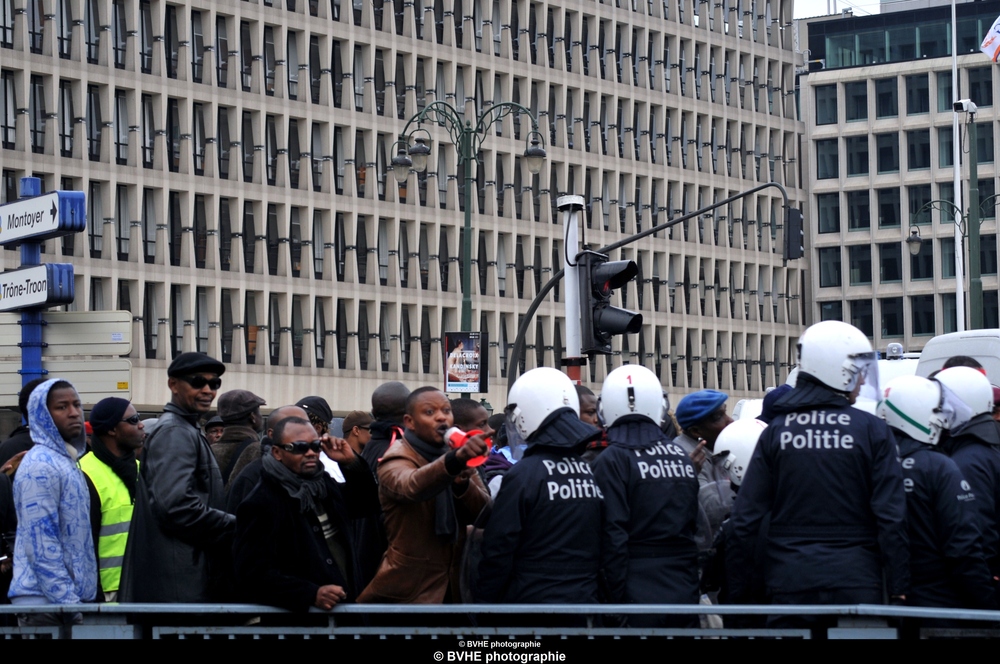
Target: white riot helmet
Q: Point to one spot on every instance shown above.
(917, 407)
(736, 444)
(631, 389)
(969, 385)
(839, 355)
(536, 395)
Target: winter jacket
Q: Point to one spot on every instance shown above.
(947, 564)
(180, 542)
(975, 449)
(54, 560)
(281, 555)
(543, 541)
(420, 567)
(830, 476)
(651, 499)
(236, 438)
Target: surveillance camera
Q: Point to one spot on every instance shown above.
(965, 106)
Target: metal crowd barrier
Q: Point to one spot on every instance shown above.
(455, 623)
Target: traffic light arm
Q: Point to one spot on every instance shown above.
(518, 348)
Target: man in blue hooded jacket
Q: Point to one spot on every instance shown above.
(539, 545)
(54, 560)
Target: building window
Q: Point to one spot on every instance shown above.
(918, 149)
(225, 234)
(122, 225)
(827, 159)
(319, 246)
(92, 29)
(295, 240)
(988, 254)
(8, 109)
(173, 136)
(944, 92)
(860, 264)
(7, 23)
(269, 60)
(148, 226)
(888, 152)
(146, 37)
(246, 56)
(922, 314)
(984, 142)
(272, 236)
(175, 227)
(148, 131)
(35, 25)
(826, 104)
(886, 93)
(36, 111)
(831, 310)
(249, 238)
(888, 207)
(829, 267)
(64, 27)
(223, 142)
(201, 319)
(94, 123)
(857, 155)
(197, 47)
(248, 146)
(947, 258)
(946, 156)
(95, 212)
(922, 265)
(150, 322)
(862, 316)
(119, 33)
(171, 45)
(919, 195)
(250, 325)
(856, 101)
(226, 320)
(828, 208)
(892, 316)
(320, 332)
(917, 95)
(987, 198)
(200, 231)
(221, 52)
(858, 210)
(198, 140)
(274, 329)
(981, 86)
(121, 128)
(890, 262)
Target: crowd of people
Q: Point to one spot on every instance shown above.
(565, 497)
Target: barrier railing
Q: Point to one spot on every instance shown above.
(542, 624)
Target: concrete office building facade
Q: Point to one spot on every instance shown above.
(878, 110)
(236, 160)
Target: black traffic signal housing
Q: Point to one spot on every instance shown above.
(599, 321)
(794, 235)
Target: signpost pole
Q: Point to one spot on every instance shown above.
(31, 321)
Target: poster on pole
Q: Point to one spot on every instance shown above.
(465, 363)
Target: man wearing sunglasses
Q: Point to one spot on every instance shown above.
(294, 545)
(113, 470)
(181, 536)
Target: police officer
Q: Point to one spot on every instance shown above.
(947, 564)
(650, 489)
(974, 446)
(830, 478)
(539, 545)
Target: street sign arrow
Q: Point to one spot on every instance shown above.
(26, 219)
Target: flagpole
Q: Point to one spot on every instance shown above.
(956, 151)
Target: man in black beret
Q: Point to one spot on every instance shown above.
(181, 538)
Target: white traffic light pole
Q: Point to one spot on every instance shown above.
(570, 207)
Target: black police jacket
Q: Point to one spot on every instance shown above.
(650, 492)
(975, 449)
(830, 477)
(542, 544)
(947, 564)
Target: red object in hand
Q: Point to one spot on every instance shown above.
(456, 438)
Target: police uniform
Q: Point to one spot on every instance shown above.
(830, 477)
(540, 544)
(650, 489)
(947, 564)
(975, 449)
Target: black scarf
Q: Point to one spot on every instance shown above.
(445, 519)
(124, 467)
(635, 432)
(308, 490)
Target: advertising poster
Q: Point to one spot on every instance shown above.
(465, 364)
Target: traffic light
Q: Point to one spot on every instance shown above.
(599, 321)
(794, 239)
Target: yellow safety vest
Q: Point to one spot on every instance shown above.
(116, 515)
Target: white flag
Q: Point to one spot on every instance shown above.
(991, 43)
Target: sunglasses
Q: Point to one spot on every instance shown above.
(301, 446)
(131, 420)
(198, 382)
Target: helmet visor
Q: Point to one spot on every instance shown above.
(515, 441)
(866, 371)
(952, 410)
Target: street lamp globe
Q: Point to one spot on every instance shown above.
(419, 153)
(534, 155)
(401, 165)
(914, 242)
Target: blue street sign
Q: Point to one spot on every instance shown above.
(36, 287)
(42, 217)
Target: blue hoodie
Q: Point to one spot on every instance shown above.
(54, 561)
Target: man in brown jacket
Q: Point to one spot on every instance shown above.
(428, 497)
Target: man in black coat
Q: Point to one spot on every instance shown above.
(294, 546)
